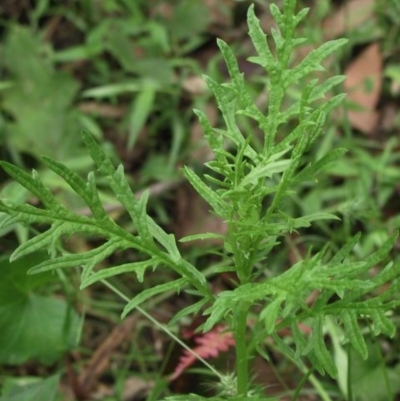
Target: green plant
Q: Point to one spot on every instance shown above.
(247, 189)
(33, 82)
(131, 60)
(24, 311)
(150, 48)
(30, 389)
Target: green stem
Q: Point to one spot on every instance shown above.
(242, 357)
(320, 388)
(349, 382)
(301, 385)
(162, 327)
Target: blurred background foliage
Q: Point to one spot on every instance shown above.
(129, 72)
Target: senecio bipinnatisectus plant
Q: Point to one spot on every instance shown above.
(241, 181)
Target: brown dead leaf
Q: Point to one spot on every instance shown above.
(193, 213)
(103, 109)
(195, 85)
(351, 15)
(136, 388)
(389, 116)
(220, 12)
(363, 86)
(194, 217)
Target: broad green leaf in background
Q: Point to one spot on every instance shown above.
(36, 390)
(32, 326)
(189, 19)
(39, 100)
(372, 379)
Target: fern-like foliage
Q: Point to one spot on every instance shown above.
(246, 185)
(241, 180)
(340, 294)
(250, 175)
(156, 247)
